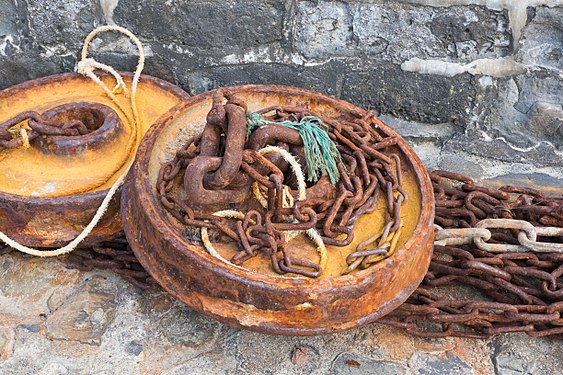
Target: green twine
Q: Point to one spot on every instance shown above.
(321, 153)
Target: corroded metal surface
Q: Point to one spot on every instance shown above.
(32, 210)
(255, 299)
(519, 291)
(101, 123)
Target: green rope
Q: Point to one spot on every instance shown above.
(321, 153)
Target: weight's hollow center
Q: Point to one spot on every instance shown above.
(101, 126)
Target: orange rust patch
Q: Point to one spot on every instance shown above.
(32, 172)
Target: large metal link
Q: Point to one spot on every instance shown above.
(527, 236)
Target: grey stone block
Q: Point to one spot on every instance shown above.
(322, 78)
(62, 25)
(457, 163)
(324, 29)
(542, 38)
(30, 64)
(541, 155)
(12, 19)
(434, 365)
(473, 32)
(516, 354)
(412, 96)
(522, 123)
(397, 31)
(538, 84)
(226, 25)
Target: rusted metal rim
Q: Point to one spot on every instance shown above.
(258, 302)
(54, 221)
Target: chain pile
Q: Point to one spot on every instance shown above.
(512, 289)
(258, 169)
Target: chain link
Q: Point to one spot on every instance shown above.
(494, 256)
(527, 236)
(26, 126)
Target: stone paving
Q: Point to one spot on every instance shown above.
(59, 321)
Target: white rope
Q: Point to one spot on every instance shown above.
(89, 65)
(86, 67)
(25, 138)
(205, 236)
(295, 167)
(287, 202)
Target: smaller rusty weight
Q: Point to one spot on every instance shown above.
(80, 138)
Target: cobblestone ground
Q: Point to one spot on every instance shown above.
(59, 321)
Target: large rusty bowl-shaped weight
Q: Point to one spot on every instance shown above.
(33, 209)
(255, 298)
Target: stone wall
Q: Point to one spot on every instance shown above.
(474, 85)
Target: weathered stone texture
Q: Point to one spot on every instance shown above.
(542, 39)
(322, 78)
(60, 26)
(396, 31)
(324, 29)
(350, 364)
(390, 90)
(85, 315)
(203, 25)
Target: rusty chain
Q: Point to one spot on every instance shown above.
(224, 162)
(34, 125)
(503, 277)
